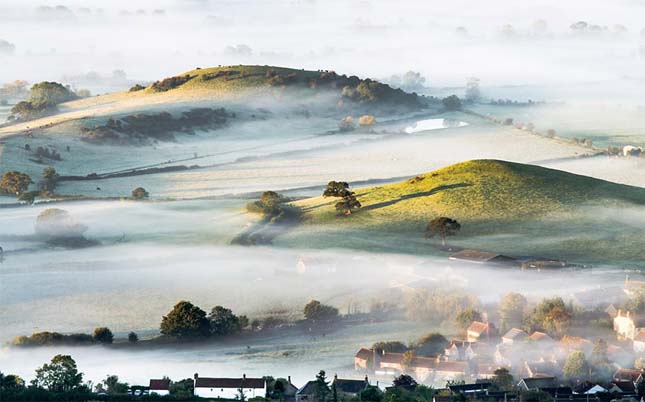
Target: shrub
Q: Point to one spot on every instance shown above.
(366, 120)
(171, 83)
(136, 88)
(139, 193)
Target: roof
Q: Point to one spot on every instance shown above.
(205, 382)
(478, 327)
(482, 386)
(515, 333)
(160, 385)
(539, 382)
(364, 354)
(308, 389)
(540, 337)
(625, 386)
(350, 386)
(453, 367)
(387, 357)
(486, 369)
(624, 374)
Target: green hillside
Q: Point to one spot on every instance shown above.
(242, 78)
(478, 190)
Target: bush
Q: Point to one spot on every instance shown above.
(171, 83)
(136, 88)
(451, 102)
(139, 193)
(133, 337)
(366, 120)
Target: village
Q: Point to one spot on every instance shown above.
(485, 363)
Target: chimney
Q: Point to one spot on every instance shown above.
(196, 375)
(367, 379)
(289, 379)
(335, 377)
(244, 376)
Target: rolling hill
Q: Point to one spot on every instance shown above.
(478, 190)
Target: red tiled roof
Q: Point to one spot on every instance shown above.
(540, 336)
(478, 327)
(205, 382)
(160, 385)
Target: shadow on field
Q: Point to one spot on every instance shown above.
(415, 195)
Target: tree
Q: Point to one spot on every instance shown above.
(185, 320)
(322, 387)
(431, 344)
(48, 94)
(408, 359)
(390, 347)
(576, 367)
(15, 182)
(112, 385)
(60, 375)
(241, 395)
(347, 204)
(443, 227)
(334, 392)
(103, 335)
(183, 389)
(511, 309)
(404, 380)
(503, 379)
(139, 193)
(11, 382)
(223, 321)
(56, 223)
(550, 315)
(336, 189)
(465, 317)
(451, 103)
(50, 178)
(347, 124)
(316, 311)
(133, 337)
(473, 93)
(371, 394)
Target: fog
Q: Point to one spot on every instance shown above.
(150, 255)
(501, 42)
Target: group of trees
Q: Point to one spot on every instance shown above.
(17, 183)
(274, 208)
(348, 201)
(102, 335)
(317, 312)
(43, 98)
(186, 320)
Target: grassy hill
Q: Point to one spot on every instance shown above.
(475, 190)
(504, 207)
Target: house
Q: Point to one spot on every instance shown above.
(537, 383)
(542, 369)
(611, 311)
(514, 335)
(484, 257)
(628, 325)
(633, 375)
(364, 359)
(588, 388)
(486, 371)
(477, 388)
(633, 287)
(307, 392)
(229, 388)
(459, 351)
(290, 391)
(478, 331)
(160, 387)
(639, 341)
(444, 371)
(347, 389)
(626, 388)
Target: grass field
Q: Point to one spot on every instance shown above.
(503, 207)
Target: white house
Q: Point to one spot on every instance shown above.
(160, 387)
(627, 325)
(639, 342)
(229, 388)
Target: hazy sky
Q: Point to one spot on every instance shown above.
(446, 41)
